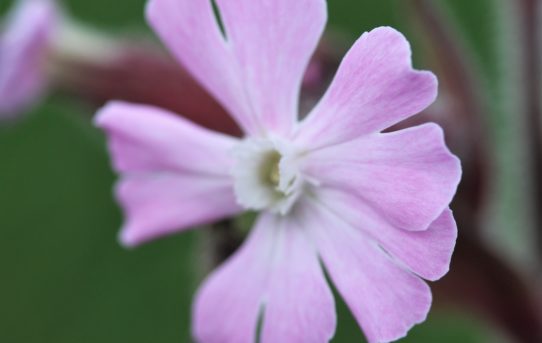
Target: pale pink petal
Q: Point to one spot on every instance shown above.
(146, 139)
(275, 274)
(228, 304)
(159, 204)
(257, 69)
(273, 41)
(409, 177)
(426, 253)
(385, 299)
(175, 174)
(191, 32)
(23, 48)
(300, 305)
(374, 88)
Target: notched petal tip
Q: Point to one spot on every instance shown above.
(454, 171)
(400, 46)
(409, 177)
(426, 79)
(374, 88)
(384, 312)
(393, 332)
(447, 226)
(393, 38)
(428, 85)
(455, 162)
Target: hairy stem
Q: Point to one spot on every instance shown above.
(531, 72)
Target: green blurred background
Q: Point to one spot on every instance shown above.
(65, 279)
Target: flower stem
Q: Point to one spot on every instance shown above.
(531, 72)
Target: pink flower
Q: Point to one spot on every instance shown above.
(24, 44)
(371, 207)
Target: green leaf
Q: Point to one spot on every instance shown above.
(64, 276)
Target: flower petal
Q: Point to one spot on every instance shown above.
(273, 52)
(228, 304)
(427, 253)
(277, 267)
(148, 139)
(255, 72)
(300, 305)
(175, 174)
(158, 204)
(23, 47)
(374, 88)
(385, 299)
(409, 177)
(191, 32)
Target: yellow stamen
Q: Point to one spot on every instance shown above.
(274, 174)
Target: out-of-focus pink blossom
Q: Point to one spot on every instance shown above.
(24, 44)
(372, 207)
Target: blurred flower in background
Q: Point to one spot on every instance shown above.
(66, 280)
(24, 44)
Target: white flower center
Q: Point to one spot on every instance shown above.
(266, 175)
